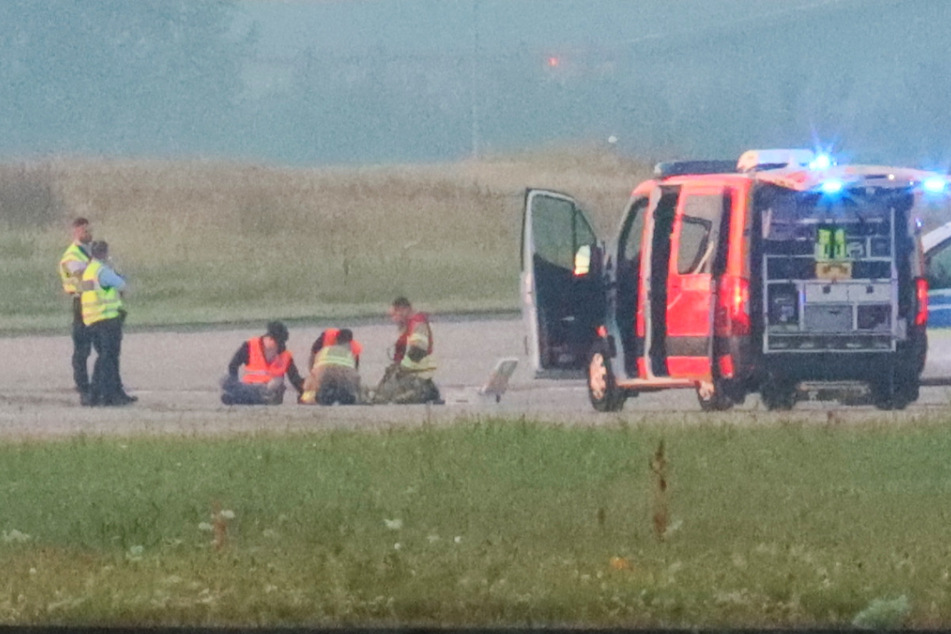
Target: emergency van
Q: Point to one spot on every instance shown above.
(782, 273)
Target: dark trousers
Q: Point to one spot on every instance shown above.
(82, 346)
(234, 392)
(106, 386)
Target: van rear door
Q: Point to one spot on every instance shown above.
(562, 299)
(694, 253)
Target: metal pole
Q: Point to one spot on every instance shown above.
(473, 84)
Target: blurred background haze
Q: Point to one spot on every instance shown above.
(386, 81)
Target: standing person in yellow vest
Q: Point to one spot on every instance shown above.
(103, 315)
(266, 362)
(71, 267)
(409, 379)
(334, 376)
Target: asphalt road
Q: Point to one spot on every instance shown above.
(176, 374)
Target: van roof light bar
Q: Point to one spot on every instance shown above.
(755, 160)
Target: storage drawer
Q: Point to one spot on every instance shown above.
(828, 318)
(827, 293)
(878, 293)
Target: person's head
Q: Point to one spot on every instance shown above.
(277, 332)
(82, 231)
(345, 335)
(99, 249)
(400, 310)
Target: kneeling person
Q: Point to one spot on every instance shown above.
(266, 361)
(333, 378)
(409, 379)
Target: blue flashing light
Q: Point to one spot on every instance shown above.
(831, 187)
(821, 162)
(935, 185)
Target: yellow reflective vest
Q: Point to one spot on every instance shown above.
(98, 303)
(337, 354)
(70, 280)
(419, 335)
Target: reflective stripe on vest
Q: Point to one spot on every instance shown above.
(98, 303)
(258, 370)
(338, 355)
(71, 281)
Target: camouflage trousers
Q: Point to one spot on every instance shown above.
(403, 387)
(331, 384)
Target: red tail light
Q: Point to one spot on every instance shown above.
(732, 313)
(921, 295)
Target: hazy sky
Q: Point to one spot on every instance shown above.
(289, 26)
(354, 81)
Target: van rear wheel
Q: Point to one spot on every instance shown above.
(778, 394)
(896, 390)
(603, 391)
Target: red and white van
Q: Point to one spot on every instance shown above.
(782, 273)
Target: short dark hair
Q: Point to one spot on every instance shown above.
(345, 335)
(401, 302)
(99, 248)
(80, 222)
(278, 331)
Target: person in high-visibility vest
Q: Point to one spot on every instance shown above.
(334, 376)
(71, 267)
(266, 362)
(409, 379)
(103, 314)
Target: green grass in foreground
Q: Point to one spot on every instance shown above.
(491, 523)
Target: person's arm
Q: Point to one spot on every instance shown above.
(110, 279)
(417, 344)
(240, 358)
(314, 349)
(74, 267)
(295, 378)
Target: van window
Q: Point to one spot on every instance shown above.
(559, 229)
(699, 233)
(631, 235)
(871, 228)
(939, 267)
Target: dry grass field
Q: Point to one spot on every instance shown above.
(218, 242)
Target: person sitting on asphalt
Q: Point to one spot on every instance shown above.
(334, 376)
(409, 379)
(266, 361)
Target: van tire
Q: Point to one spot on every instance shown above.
(603, 390)
(895, 391)
(778, 395)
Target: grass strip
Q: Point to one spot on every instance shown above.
(485, 523)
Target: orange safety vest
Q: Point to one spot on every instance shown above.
(330, 338)
(258, 370)
(399, 350)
